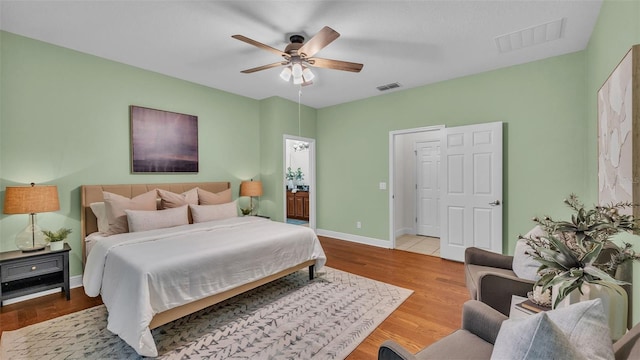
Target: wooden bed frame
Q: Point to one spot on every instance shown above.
(89, 224)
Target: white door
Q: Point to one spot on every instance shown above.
(428, 188)
(471, 196)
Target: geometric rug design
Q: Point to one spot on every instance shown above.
(290, 318)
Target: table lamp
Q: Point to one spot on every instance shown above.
(251, 189)
(31, 200)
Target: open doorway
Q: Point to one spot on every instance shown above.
(299, 176)
(416, 185)
(468, 183)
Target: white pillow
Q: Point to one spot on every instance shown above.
(203, 213)
(584, 334)
(100, 212)
(524, 265)
(142, 220)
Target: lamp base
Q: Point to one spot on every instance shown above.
(31, 238)
(33, 249)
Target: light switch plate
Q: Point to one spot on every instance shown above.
(383, 186)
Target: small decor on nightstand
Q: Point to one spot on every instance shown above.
(56, 239)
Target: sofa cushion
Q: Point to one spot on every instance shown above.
(473, 272)
(460, 345)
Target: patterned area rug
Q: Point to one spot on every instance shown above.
(290, 318)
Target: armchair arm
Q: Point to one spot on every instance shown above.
(496, 289)
(482, 320)
(481, 257)
(391, 350)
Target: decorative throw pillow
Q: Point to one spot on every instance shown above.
(586, 325)
(579, 331)
(170, 199)
(115, 205)
(142, 220)
(524, 265)
(535, 337)
(100, 212)
(203, 213)
(209, 198)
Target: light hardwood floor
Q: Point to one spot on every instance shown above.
(430, 313)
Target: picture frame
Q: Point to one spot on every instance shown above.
(163, 141)
(619, 133)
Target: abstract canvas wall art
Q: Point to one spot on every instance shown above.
(618, 129)
(163, 141)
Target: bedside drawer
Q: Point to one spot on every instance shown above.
(33, 267)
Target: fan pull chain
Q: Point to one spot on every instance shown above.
(299, 96)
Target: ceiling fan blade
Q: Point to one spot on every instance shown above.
(263, 67)
(335, 64)
(261, 45)
(323, 38)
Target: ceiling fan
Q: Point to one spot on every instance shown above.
(298, 56)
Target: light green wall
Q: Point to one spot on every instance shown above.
(279, 117)
(542, 105)
(618, 29)
(64, 120)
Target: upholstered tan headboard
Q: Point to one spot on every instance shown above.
(93, 193)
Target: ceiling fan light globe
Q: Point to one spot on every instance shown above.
(296, 70)
(297, 80)
(286, 74)
(308, 74)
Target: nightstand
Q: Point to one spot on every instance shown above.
(31, 272)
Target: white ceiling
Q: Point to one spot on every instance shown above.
(411, 42)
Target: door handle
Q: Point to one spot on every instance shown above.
(495, 203)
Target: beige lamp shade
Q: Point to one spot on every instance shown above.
(251, 188)
(31, 199)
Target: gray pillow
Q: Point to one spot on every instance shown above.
(533, 338)
(524, 265)
(583, 334)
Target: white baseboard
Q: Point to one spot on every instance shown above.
(404, 231)
(74, 282)
(355, 238)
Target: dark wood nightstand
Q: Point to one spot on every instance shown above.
(31, 272)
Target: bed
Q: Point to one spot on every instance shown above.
(153, 277)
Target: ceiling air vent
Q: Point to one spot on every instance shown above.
(388, 86)
(530, 36)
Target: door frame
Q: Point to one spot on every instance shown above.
(312, 177)
(392, 156)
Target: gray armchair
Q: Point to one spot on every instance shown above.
(490, 278)
(480, 327)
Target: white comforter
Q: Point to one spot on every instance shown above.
(142, 274)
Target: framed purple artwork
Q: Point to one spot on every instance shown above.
(163, 141)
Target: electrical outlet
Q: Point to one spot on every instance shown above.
(358, 225)
(382, 186)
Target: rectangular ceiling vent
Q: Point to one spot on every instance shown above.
(531, 36)
(388, 86)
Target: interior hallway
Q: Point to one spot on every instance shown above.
(425, 245)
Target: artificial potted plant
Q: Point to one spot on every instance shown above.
(571, 266)
(56, 239)
(290, 175)
(299, 176)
